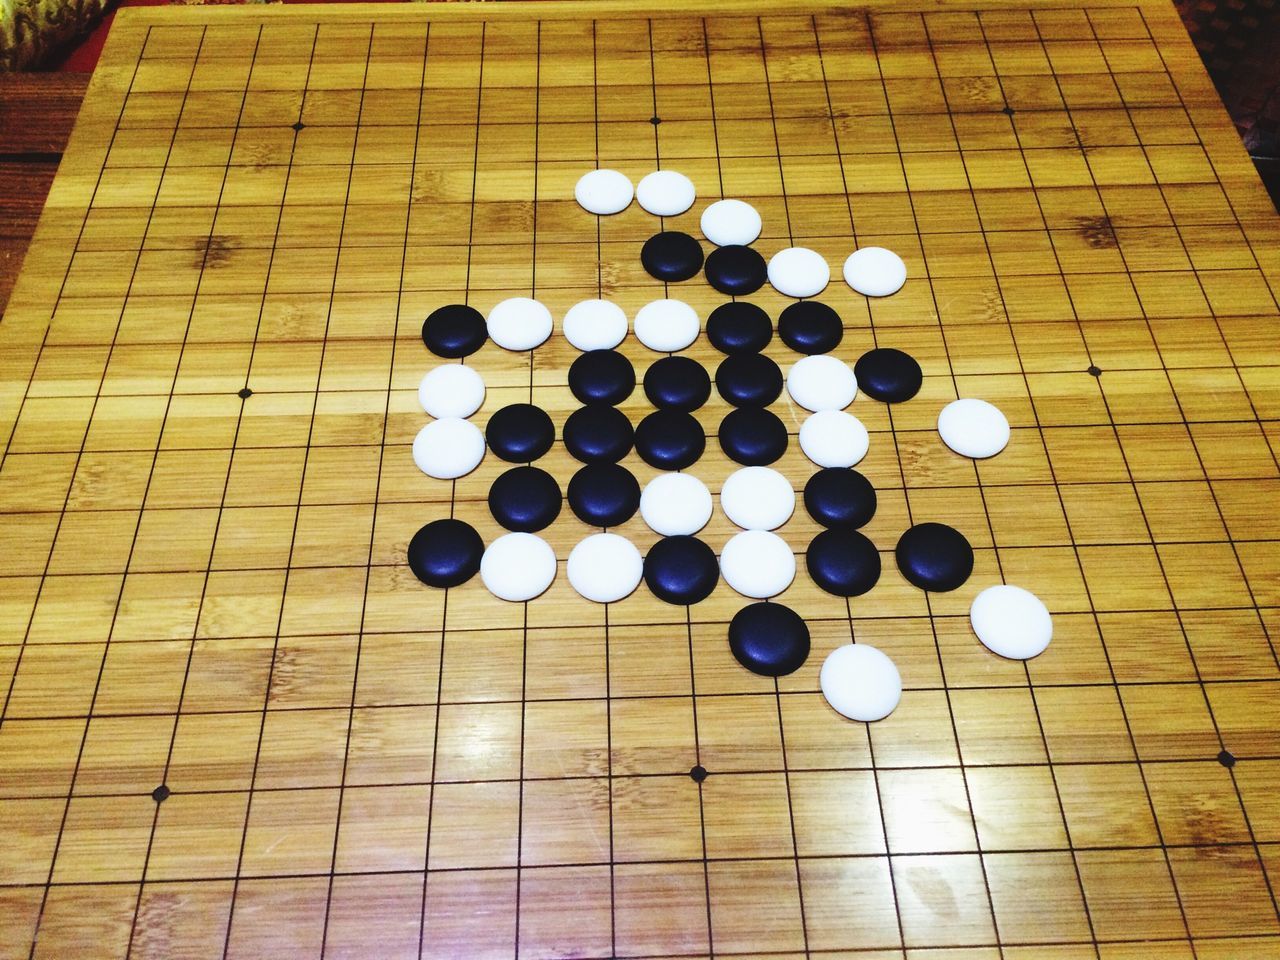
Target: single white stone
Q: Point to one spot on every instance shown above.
(603, 192)
(875, 271)
(451, 390)
(519, 324)
(973, 428)
(675, 504)
(799, 272)
(605, 567)
(448, 448)
(1011, 621)
(821, 382)
(518, 566)
(665, 193)
(595, 325)
(757, 498)
(834, 438)
(667, 325)
(728, 222)
(757, 564)
(860, 682)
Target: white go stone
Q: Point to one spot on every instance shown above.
(451, 390)
(834, 438)
(875, 271)
(728, 222)
(973, 428)
(595, 325)
(518, 567)
(448, 448)
(667, 325)
(519, 324)
(799, 272)
(758, 564)
(665, 193)
(605, 567)
(821, 382)
(1011, 621)
(860, 682)
(675, 504)
(603, 192)
(757, 498)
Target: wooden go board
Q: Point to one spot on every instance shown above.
(234, 724)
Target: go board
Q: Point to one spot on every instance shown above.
(235, 725)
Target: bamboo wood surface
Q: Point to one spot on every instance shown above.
(234, 724)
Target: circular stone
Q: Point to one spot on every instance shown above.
(860, 682)
(749, 380)
(973, 428)
(1011, 621)
(833, 438)
(821, 382)
(454, 331)
(602, 376)
(810, 327)
(519, 324)
(526, 499)
(757, 564)
(665, 193)
(603, 192)
(728, 222)
(604, 494)
(445, 553)
(449, 448)
(675, 504)
(677, 383)
(598, 433)
(752, 436)
(934, 556)
(595, 325)
(518, 566)
(836, 497)
(735, 270)
(875, 271)
(605, 567)
(799, 272)
(757, 498)
(769, 639)
(843, 562)
(451, 390)
(671, 256)
(681, 570)
(888, 375)
(666, 325)
(520, 433)
(670, 440)
(739, 327)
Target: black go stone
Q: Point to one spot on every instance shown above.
(454, 331)
(671, 256)
(934, 556)
(752, 436)
(769, 639)
(681, 570)
(525, 499)
(602, 376)
(735, 270)
(445, 553)
(161, 793)
(670, 440)
(840, 497)
(739, 327)
(808, 326)
(697, 773)
(843, 561)
(520, 433)
(604, 494)
(888, 375)
(677, 383)
(598, 433)
(749, 380)
(244, 393)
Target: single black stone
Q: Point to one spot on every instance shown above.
(671, 256)
(752, 436)
(739, 327)
(934, 556)
(698, 773)
(299, 125)
(735, 270)
(445, 553)
(244, 393)
(604, 494)
(769, 639)
(1226, 758)
(1007, 111)
(840, 497)
(677, 383)
(1094, 371)
(454, 331)
(844, 562)
(602, 376)
(681, 570)
(749, 380)
(160, 794)
(888, 375)
(655, 120)
(670, 440)
(520, 433)
(525, 499)
(598, 433)
(808, 326)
